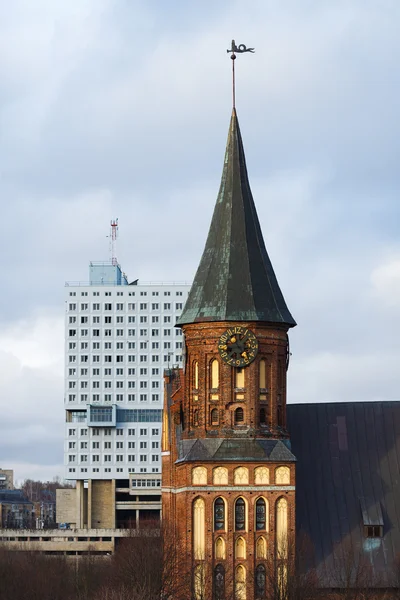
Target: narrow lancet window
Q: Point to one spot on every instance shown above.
(281, 528)
(260, 582)
(220, 551)
(199, 529)
(219, 514)
(214, 374)
(240, 515)
(196, 375)
(261, 512)
(219, 582)
(263, 375)
(240, 583)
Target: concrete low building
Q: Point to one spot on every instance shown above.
(74, 542)
(117, 503)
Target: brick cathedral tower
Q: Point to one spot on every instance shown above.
(228, 475)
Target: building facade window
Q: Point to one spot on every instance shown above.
(220, 476)
(239, 416)
(219, 514)
(240, 583)
(219, 582)
(199, 529)
(261, 515)
(220, 549)
(214, 367)
(281, 528)
(240, 515)
(240, 548)
(199, 476)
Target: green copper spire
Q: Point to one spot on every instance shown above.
(235, 280)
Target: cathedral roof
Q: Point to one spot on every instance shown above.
(347, 479)
(228, 449)
(235, 280)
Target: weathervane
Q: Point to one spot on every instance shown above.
(236, 50)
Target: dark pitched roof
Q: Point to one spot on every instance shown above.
(235, 280)
(348, 477)
(228, 449)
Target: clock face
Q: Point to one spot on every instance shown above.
(238, 346)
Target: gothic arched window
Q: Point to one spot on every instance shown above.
(261, 548)
(199, 529)
(281, 528)
(219, 582)
(261, 475)
(240, 548)
(220, 548)
(239, 416)
(260, 582)
(240, 583)
(240, 515)
(219, 514)
(220, 476)
(262, 416)
(261, 515)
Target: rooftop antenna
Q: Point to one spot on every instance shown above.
(236, 50)
(113, 241)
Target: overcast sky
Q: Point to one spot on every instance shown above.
(120, 108)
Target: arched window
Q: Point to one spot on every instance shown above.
(214, 416)
(239, 416)
(220, 476)
(240, 515)
(219, 582)
(241, 476)
(195, 418)
(240, 583)
(195, 376)
(199, 529)
(261, 476)
(219, 514)
(260, 582)
(199, 476)
(261, 548)
(261, 515)
(199, 582)
(239, 378)
(263, 375)
(240, 548)
(282, 476)
(214, 374)
(220, 551)
(263, 420)
(281, 528)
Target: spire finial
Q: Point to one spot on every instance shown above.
(236, 50)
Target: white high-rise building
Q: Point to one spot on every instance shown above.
(119, 338)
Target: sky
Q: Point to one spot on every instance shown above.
(120, 109)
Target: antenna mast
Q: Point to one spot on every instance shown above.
(113, 241)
